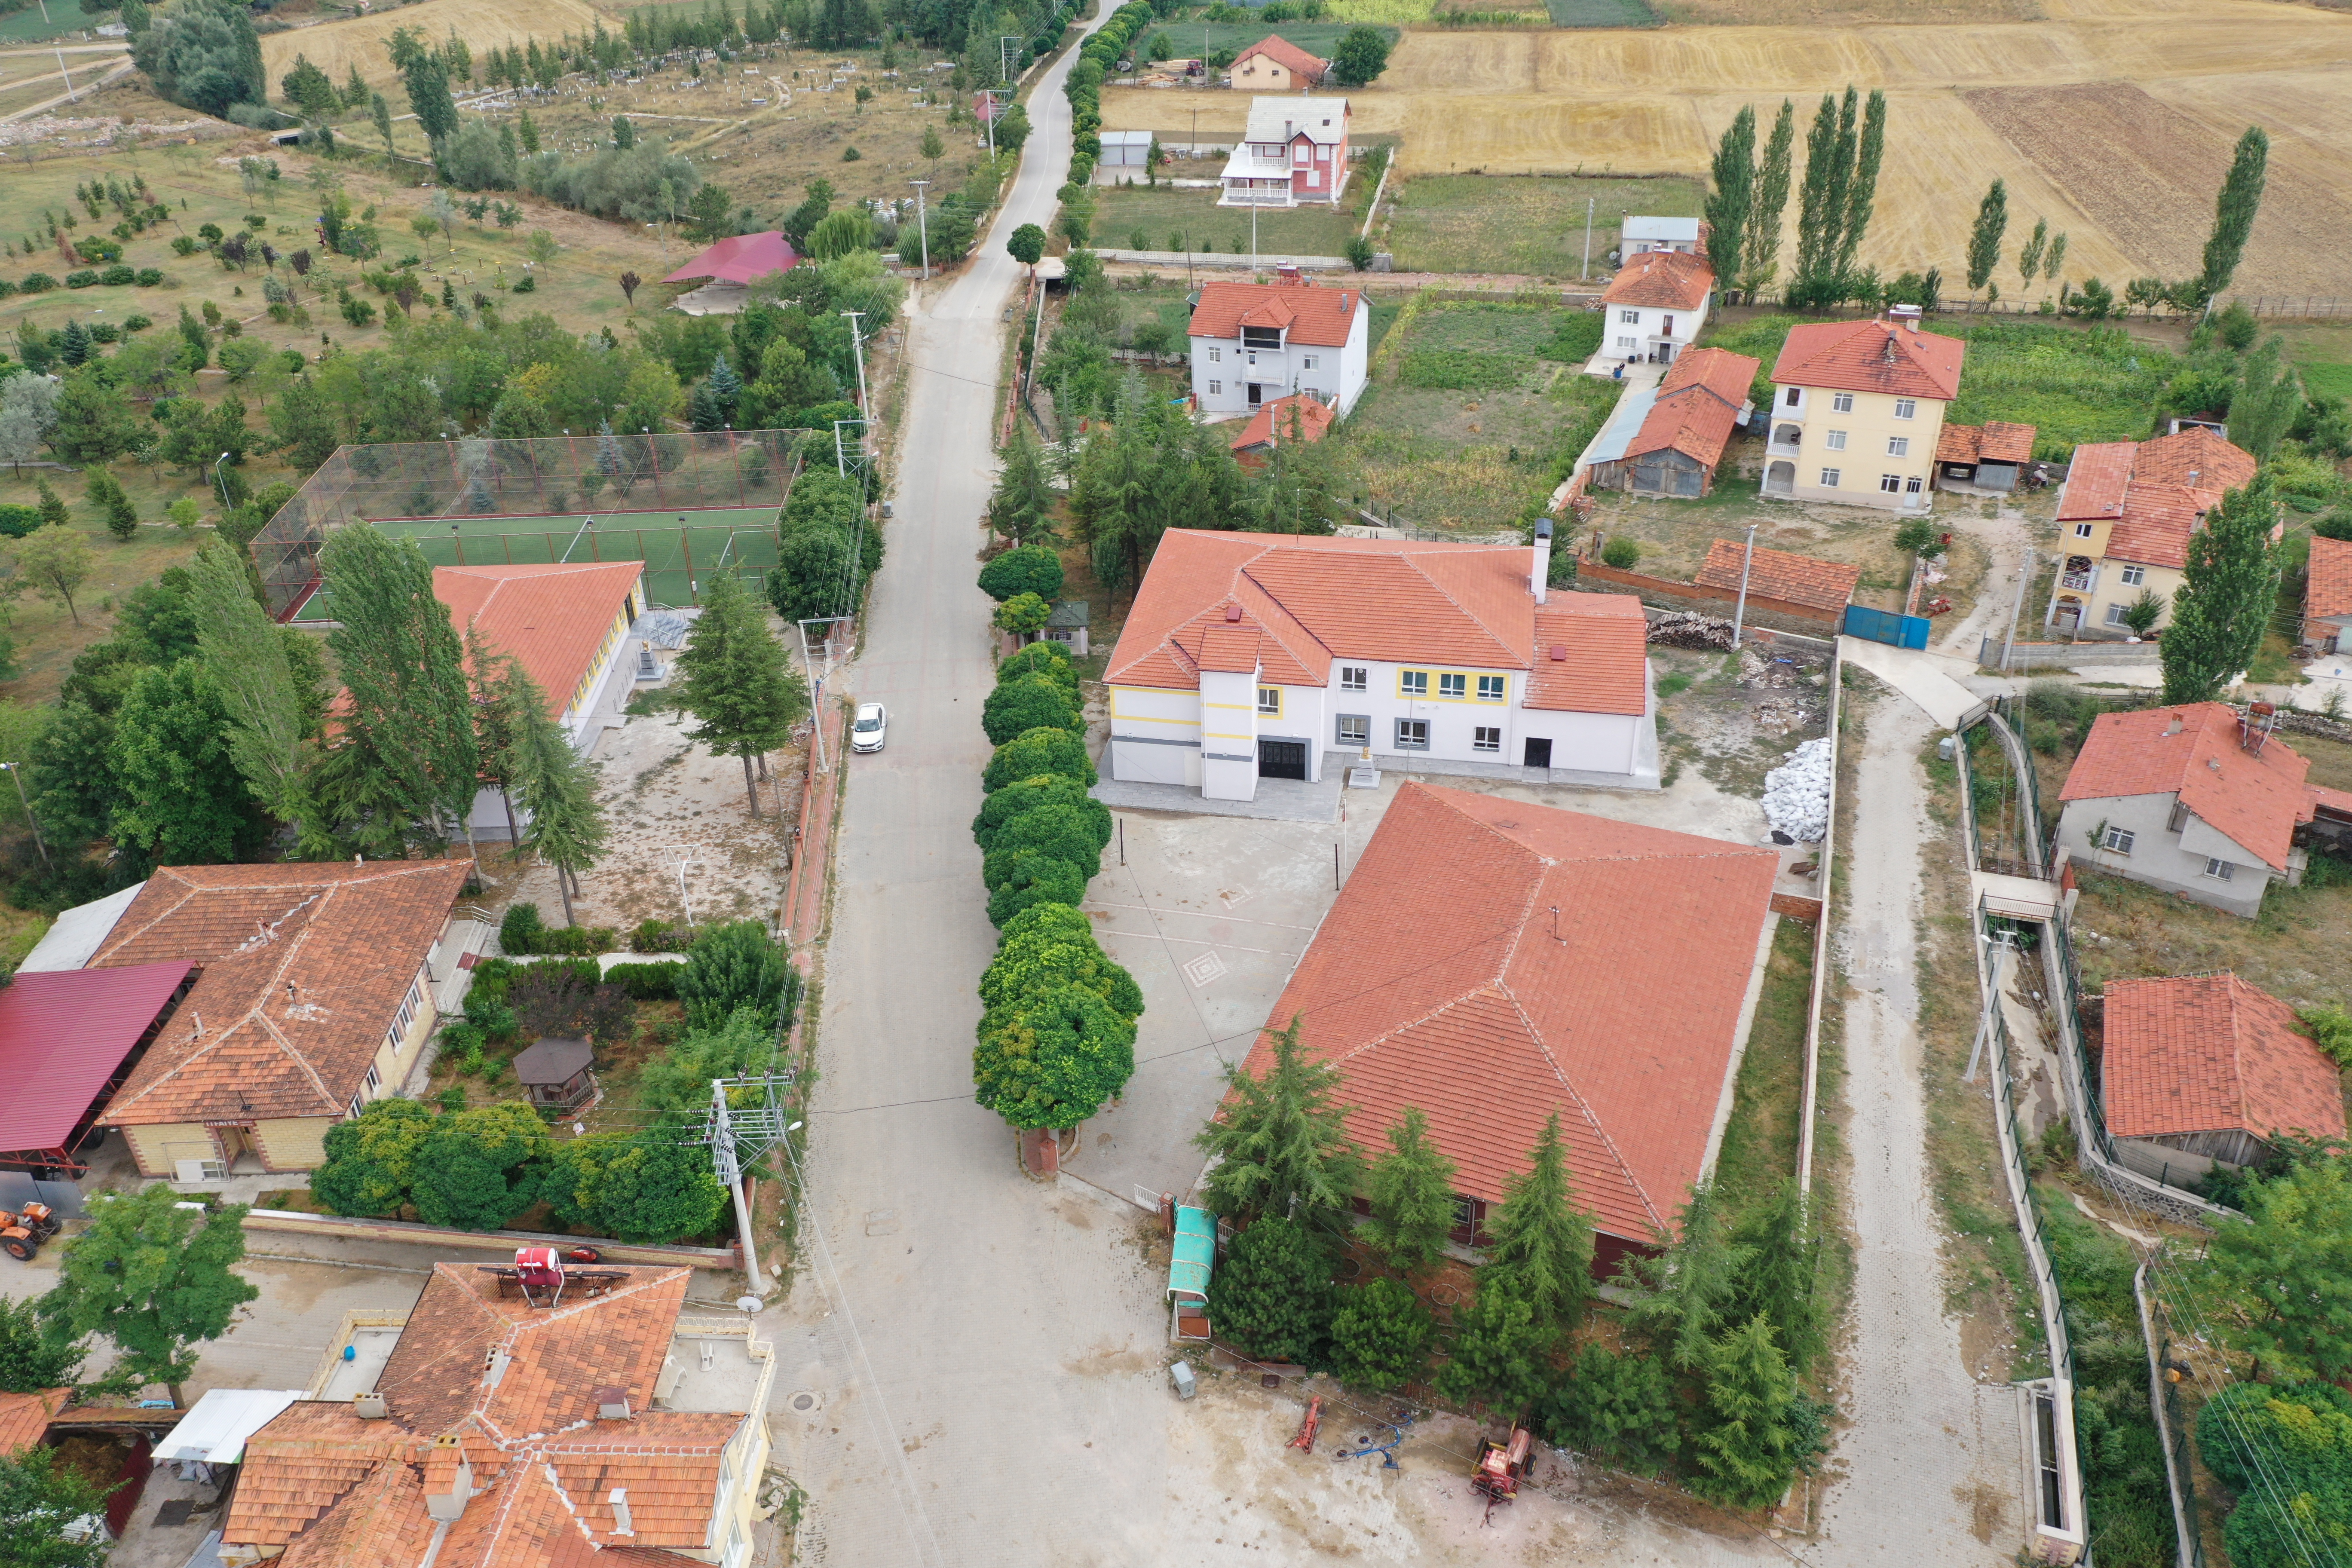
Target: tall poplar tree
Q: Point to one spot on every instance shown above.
(2029, 254)
(2233, 212)
(1761, 258)
(1730, 203)
(740, 686)
(1984, 240)
(1861, 186)
(243, 655)
(2226, 597)
(1820, 206)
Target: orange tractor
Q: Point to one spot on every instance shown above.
(22, 1231)
(1502, 1466)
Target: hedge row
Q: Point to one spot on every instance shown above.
(113, 277)
(1056, 1040)
(1097, 57)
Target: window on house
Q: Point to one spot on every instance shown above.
(1412, 734)
(1911, 485)
(1215, 355)
(1629, 343)
(2115, 615)
(1454, 688)
(1253, 356)
(1829, 479)
(1311, 361)
(1216, 388)
(1353, 729)
(1629, 317)
(2178, 820)
(2081, 530)
(1413, 682)
(1906, 407)
(1353, 678)
(2119, 840)
(2219, 870)
(1794, 396)
(1486, 738)
(373, 1078)
(1835, 440)
(1490, 688)
(356, 1103)
(1899, 445)
(1842, 402)
(2134, 576)
(1269, 700)
(1891, 483)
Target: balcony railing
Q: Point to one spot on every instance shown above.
(2078, 580)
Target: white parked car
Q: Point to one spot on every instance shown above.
(865, 731)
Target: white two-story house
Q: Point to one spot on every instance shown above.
(1294, 152)
(1253, 342)
(1253, 655)
(1655, 306)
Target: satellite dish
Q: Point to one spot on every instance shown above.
(746, 1303)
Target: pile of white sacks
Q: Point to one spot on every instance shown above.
(1797, 793)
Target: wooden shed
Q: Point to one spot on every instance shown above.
(557, 1073)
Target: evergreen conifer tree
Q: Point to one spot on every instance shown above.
(1411, 1196)
(741, 689)
(1282, 1144)
(1540, 1239)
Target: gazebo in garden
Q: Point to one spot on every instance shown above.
(556, 1075)
(731, 265)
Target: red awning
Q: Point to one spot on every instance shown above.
(63, 1036)
(740, 259)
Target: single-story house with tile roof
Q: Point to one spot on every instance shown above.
(2126, 515)
(2198, 799)
(26, 1418)
(1689, 420)
(2327, 594)
(2205, 1069)
(1858, 411)
(1983, 457)
(1640, 234)
(1655, 305)
(1301, 417)
(1254, 342)
(1293, 152)
(316, 989)
(1275, 64)
(573, 627)
(1249, 655)
(1493, 963)
(503, 1433)
(1824, 587)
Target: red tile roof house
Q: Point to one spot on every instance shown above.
(1982, 460)
(1491, 962)
(1779, 579)
(1253, 342)
(605, 1428)
(2327, 594)
(315, 994)
(1299, 419)
(1293, 152)
(572, 625)
(1655, 306)
(1685, 423)
(1251, 656)
(2126, 515)
(2192, 799)
(1858, 411)
(2196, 1069)
(1275, 64)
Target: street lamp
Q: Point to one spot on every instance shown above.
(218, 483)
(923, 222)
(15, 773)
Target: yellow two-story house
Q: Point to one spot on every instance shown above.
(2126, 515)
(1857, 409)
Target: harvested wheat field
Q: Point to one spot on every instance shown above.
(2112, 119)
(483, 23)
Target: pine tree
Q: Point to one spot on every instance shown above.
(1412, 1192)
(1760, 260)
(1540, 1240)
(738, 686)
(106, 493)
(1022, 506)
(53, 511)
(1747, 1449)
(1984, 240)
(2226, 596)
(2233, 212)
(1501, 1346)
(558, 785)
(1684, 1290)
(523, 126)
(1862, 191)
(1777, 1247)
(1734, 193)
(427, 80)
(1280, 1143)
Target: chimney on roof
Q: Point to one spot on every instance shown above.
(369, 1406)
(1286, 275)
(1905, 316)
(2172, 727)
(621, 1524)
(1540, 576)
(612, 1402)
(447, 1505)
(1232, 614)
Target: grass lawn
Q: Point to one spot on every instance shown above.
(1760, 1141)
(1166, 219)
(2294, 949)
(1533, 224)
(2323, 354)
(1191, 40)
(30, 26)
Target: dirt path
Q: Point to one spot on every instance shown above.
(2006, 535)
(1928, 1470)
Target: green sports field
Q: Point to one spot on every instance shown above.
(681, 549)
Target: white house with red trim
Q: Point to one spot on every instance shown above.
(1293, 154)
(1253, 342)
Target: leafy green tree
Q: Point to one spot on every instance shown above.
(2268, 398)
(1501, 1348)
(55, 561)
(1361, 57)
(741, 691)
(1751, 1440)
(1070, 834)
(1027, 795)
(1050, 946)
(303, 424)
(371, 1163)
(1984, 240)
(1023, 878)
(677, 1083)
(2278, 1286)
(1539, 1240)
(1281, 1140)
(2233, 212)
(843, 232)
(2226, 596)
(1022, 506)
(1027, 243)
(733, 967)
(1029, 703)
(30, 1361)
(641, 1188)
(1732, 195)
(2285, 1450)
(183, 802)
(1760, 251)
(565, 822)
(1052, 1058)
(1047, 659)
(1680, 1295)
(1031, 568)
(2030, 254)
(1381, 1336)
(1618, 1407)
(1412, 1197)
(155, 1279)
(1271, 1294)
(1022, 614)
(39, 1498)
(261, 697)
(203, 54)
(1042, 750)
(477, 1169)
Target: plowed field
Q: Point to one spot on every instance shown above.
(2112, 119)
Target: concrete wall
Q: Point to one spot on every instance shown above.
(2163, 857)
(1866, 426)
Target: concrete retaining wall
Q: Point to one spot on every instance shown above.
(1762, 610)
(284, 1222)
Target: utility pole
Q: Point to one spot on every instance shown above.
(2017, 610)
(857, 350)
(1587, 273)
(923, 221)
(722, 1155)
(1004, 57)
(70, 94)
(18, 773)
(1739, 615)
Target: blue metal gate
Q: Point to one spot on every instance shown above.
(1882, 626)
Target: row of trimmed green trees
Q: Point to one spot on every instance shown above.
(1700, 1378)
(1056, 1038)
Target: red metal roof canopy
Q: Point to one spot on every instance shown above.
(740, 259)
(64, 1035)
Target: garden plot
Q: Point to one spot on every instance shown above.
(1529, 224)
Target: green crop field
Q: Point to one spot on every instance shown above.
(1529, 224)
(1191, 41)
(1601, 14)
(30, 27)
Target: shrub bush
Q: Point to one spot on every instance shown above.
(526, 284)
(1044, 751)
(7, 287)
(660, 936)
(37, 283)
(85, 278)
(115, 277)
(1271, 1294)
(736, 965)
(1031, 568)
(646, 982)
(1619, 1409)
(1620, 553)
(1381, 1336)
(520, 927)
(148, 277)
(17, 521)
(1026, 704)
